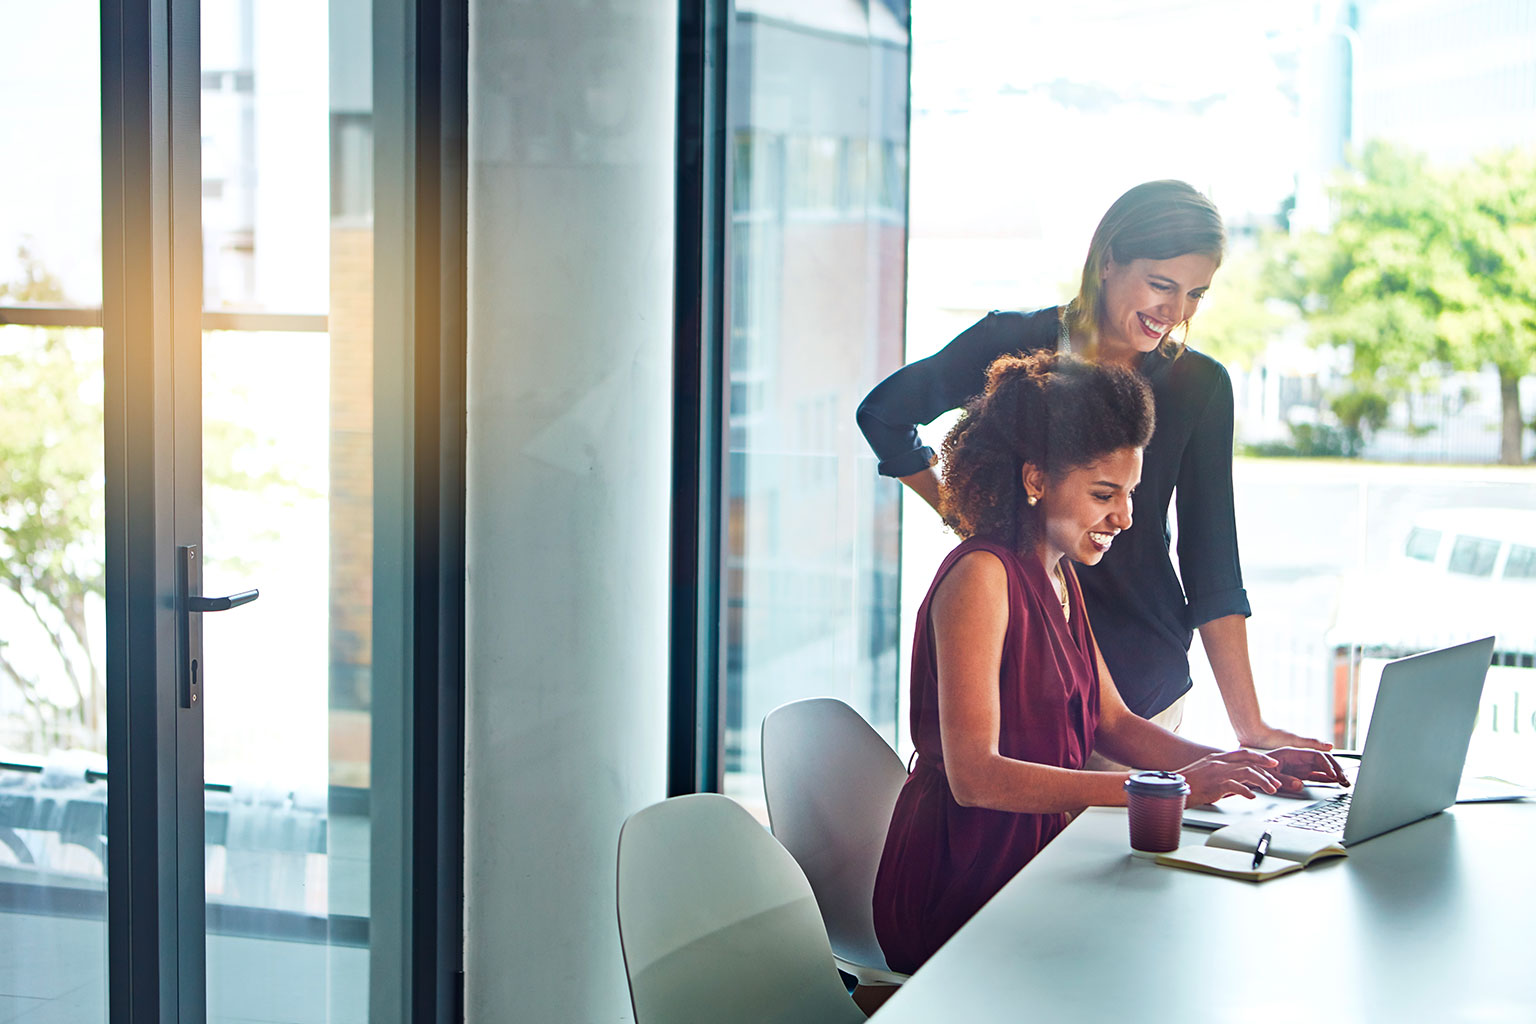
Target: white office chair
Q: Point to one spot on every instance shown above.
(718, 924)
(831, 782)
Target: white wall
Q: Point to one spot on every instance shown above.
(570, 300)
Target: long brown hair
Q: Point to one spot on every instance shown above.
(1156, 220)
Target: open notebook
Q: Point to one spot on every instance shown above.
(1229, 851)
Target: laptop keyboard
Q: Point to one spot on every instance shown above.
(1324, 816)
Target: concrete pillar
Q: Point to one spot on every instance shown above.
(570, 312)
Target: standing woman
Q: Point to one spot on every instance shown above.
(1149, 264)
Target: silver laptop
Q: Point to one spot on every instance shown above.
(1414, 752)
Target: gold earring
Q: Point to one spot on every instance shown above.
(1031, 499)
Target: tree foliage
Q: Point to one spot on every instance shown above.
(51, 517)
(1236, 319)
(1425, 269)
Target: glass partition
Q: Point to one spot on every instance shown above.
(53, 756)
(816, 248)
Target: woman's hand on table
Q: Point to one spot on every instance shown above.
(1232, 773)
(1267, 737)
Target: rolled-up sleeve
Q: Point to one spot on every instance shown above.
(921, 391)
(1208, 560)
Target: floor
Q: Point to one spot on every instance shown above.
(58, 974)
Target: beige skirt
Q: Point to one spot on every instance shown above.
(1169, 718)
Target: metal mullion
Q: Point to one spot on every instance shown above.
(41, 315)
(392, 819)
(185, 198)
(440, 237)
(143, 917)
(420, 267)
(700, 367)
(30, 315)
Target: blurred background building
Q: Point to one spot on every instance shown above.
(817, 110)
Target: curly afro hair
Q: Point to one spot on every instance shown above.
(1055, 411)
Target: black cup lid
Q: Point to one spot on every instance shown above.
(1157, 784)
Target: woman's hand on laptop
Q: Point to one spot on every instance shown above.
(1242, 773)
(1297, 767)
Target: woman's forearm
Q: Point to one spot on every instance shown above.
(1226, 647)
(1130, 739)
(926, 484)
(1026, 787)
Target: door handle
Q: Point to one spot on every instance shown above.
(221, 604)
(189, 599)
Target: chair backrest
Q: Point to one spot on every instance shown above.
(718, 923)
(831, 783)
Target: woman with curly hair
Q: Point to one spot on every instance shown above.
(1008, 699)
(1149, 264)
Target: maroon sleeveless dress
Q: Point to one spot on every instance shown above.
(942, 861)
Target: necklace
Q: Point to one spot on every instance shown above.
(1059, 583)
(1064, 336)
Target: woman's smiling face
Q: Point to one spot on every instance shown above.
(1145, 299)
(1087, 507)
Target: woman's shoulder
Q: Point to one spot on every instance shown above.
(981, 559)
(1192, 374)
(1032, 328)
(972, 575)
(1198, 362)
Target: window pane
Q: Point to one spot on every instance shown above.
(1473, 556)
(1423, 544)
(1521, 564)
(53, 756)
(50, 217)
(816, 314)
(288, 508)
(52, 661)
(1360, 446)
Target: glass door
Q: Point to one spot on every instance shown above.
(53, 737)
(190, 360)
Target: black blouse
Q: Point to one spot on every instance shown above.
(1142, 614)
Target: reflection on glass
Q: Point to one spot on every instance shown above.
(52, 536)
(288, 508)
(817, 257)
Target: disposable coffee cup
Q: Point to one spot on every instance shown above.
(1156, 804)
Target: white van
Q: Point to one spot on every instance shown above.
(1491, 543)
(1461, 573)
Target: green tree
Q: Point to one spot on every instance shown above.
(51, 514)
(1425, 270)
(1493, 317)
(1360, 414)
(1238, 318)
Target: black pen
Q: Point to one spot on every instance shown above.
(1260, 850)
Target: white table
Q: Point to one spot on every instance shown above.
(1432, 922)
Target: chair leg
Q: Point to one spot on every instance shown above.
(870, 998)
